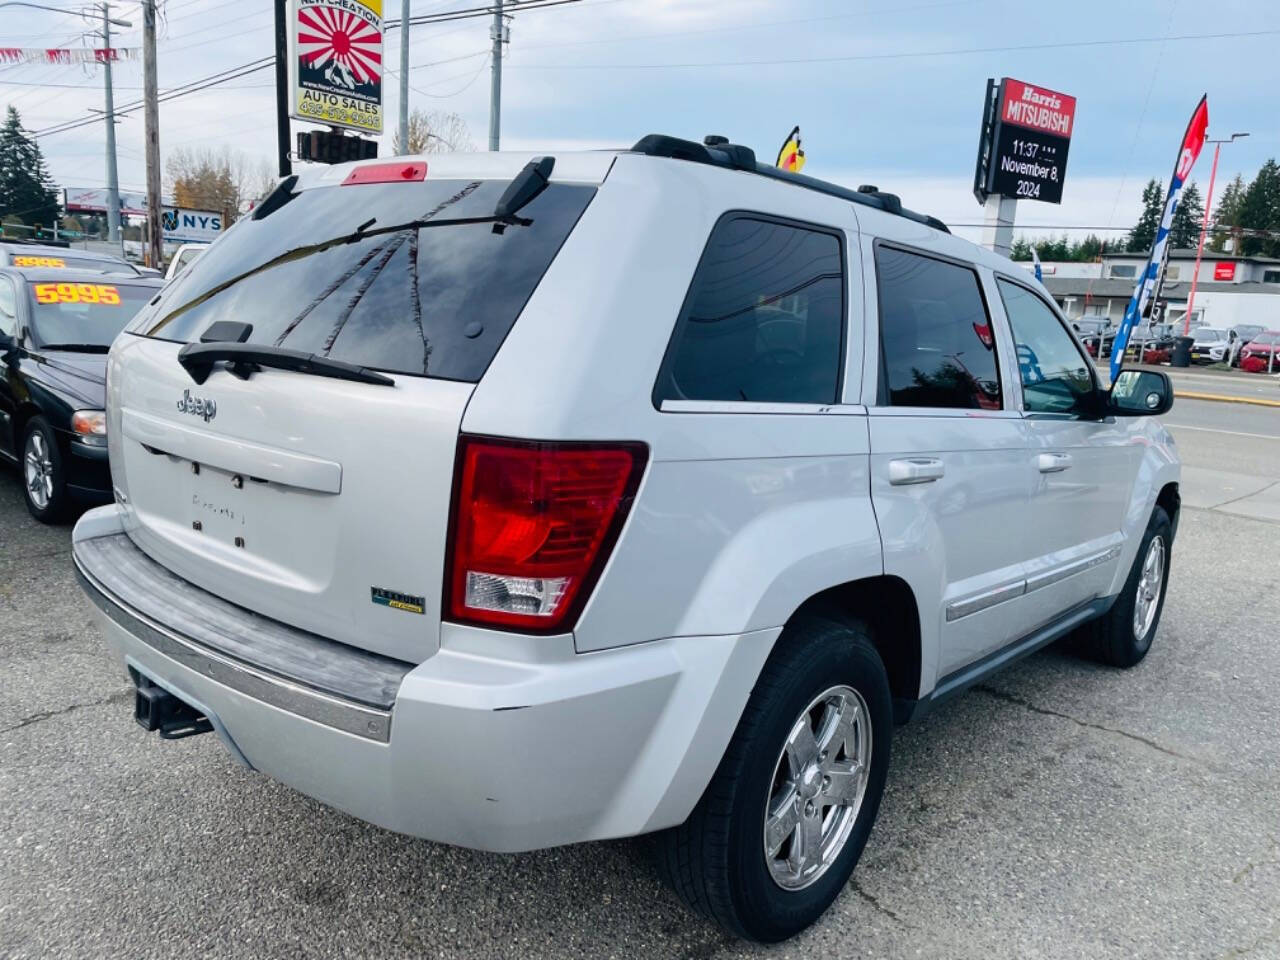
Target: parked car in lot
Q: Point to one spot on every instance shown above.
(183, 257)
(514, 504)
(56, 324)
(1262, 352)
(1096, 335)
(41, 257)
(1239, 337)
(1209, 344)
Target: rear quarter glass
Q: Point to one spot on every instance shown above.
(433, 301)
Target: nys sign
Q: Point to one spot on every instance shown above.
(190, 226)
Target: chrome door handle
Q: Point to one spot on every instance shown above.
(1053, 462)
(915, 470)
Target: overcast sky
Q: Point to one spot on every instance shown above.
(885, 92)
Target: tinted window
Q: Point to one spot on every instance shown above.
(764, 318)
(426, 299)
(1055, 376)
(936, 339)
(84, 314)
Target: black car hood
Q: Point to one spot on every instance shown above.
(80, 378)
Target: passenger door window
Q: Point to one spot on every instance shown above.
(764, 319)
(937, 343)
(1055, 375)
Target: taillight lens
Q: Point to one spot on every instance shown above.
(532, 526)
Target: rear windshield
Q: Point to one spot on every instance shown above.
(59, 261)
(83, 315)
(433, 300)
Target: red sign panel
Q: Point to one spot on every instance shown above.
(1037, 108)
(1225, 270)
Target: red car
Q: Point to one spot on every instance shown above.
(1256, 356)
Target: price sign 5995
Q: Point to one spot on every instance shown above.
(77, 293)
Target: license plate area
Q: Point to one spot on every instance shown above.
(218, 503)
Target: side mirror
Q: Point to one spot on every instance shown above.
(1140, 393)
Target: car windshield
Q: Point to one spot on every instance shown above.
(83, 315)
(1208, 335)
(1271, 336)
(1091, 326)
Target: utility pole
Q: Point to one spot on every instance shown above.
(498, 33)
(155, 251)
(404, 76)
(282, 88)
(113, 181)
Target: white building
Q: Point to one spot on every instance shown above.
(1230, 289)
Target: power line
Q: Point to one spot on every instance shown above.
(901, 55)
(253, 66)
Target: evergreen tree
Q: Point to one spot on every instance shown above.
(1226, 215)
(1020, 249)
(1260, 210)
(1143, 234)
(26, 191)
(1185, 230)
(1088, 249)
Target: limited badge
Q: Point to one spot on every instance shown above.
(399, 601)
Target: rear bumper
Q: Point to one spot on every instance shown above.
(496, 742)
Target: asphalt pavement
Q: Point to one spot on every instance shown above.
(1060, 810)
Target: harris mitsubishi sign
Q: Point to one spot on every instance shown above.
(1025, 137)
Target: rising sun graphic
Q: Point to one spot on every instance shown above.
(336, 35)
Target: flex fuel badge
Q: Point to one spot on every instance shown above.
(399, 601)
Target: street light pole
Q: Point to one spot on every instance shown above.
(1204, 228)
(404, 77)
(496, 33)
(113, 181)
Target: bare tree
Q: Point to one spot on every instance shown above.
(223, 180)
(437, 131)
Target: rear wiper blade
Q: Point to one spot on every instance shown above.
(246, 358)
(78, 347)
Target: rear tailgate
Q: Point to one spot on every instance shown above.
(319, 502)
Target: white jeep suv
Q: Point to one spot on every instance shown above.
(513, 503)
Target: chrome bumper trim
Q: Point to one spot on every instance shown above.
(353, 718)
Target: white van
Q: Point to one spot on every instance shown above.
(516, 502)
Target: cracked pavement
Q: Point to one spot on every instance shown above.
(1059, 810)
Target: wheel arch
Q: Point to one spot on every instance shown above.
(888, 606)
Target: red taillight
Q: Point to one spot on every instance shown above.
(532, 526)
(399, 172)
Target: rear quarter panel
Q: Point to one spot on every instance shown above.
(742, 514)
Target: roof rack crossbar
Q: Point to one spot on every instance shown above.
(736, 157)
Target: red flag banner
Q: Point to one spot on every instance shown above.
(73, 55)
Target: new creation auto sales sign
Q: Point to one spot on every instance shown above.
(337, 63)
(1031, 137)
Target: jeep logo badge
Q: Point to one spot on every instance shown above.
(201, 407)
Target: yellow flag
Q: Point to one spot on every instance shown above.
(791, 157)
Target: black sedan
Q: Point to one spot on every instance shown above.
(56, 325)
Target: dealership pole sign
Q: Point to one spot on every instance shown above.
(1026, 132)
(336, 63)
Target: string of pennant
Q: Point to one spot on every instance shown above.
(73, 55)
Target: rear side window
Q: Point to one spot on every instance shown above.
(937, 344)
(338, 271)
(764, 318)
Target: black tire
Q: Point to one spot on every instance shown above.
(715, 861)
(56, 506)
(1112, 638)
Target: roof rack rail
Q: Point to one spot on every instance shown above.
(718, 152)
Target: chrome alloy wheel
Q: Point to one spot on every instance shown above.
(37, 469)
(817, 788)
(1150, 584)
